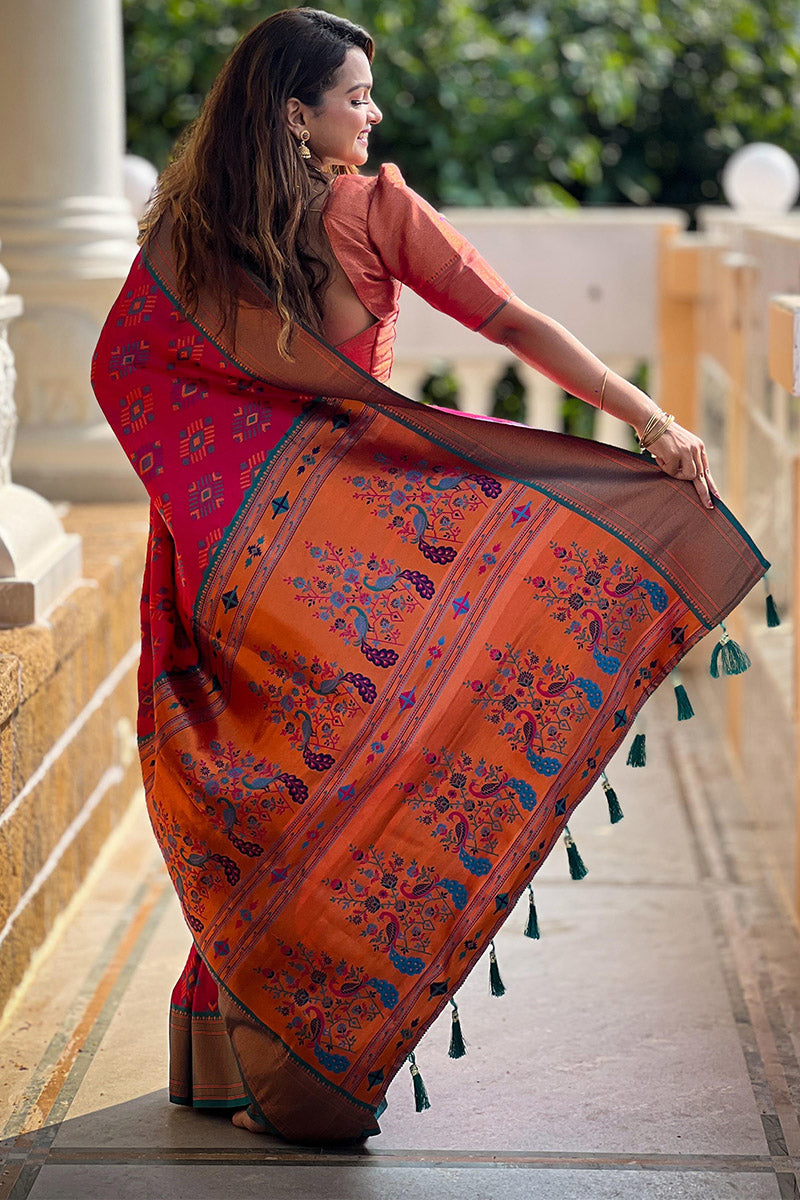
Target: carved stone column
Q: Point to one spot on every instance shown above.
(38, 561)
(68, 233)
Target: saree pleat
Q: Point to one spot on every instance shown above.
(203, 1072)
(387, 650)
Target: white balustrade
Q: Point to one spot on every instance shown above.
(595, 270)
(38, 560)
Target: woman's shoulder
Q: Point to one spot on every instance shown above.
(367, 186)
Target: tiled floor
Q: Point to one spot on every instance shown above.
(647, 1046)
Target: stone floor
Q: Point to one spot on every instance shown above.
(647, 1046)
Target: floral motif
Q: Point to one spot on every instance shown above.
(600, 600)
(313, 701)
(396, 905)
(238, 793)
(468, 806)
(326, 1004)
(426, 505)
(365, 601)
(196, 874)
(536, 706)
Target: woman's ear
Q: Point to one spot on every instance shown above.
(295, 116)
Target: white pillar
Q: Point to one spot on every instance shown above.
(68, 233)
(407, 378)
(38, 561)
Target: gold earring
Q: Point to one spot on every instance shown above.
(303, 148)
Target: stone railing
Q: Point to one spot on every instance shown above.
(730, 312)
(597, 271)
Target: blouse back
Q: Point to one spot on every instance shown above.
(384, 235)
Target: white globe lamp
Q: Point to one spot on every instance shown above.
(761, 178)
(139, 177)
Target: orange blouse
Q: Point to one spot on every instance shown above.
(383, 235)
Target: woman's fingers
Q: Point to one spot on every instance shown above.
(683, 456)
(702, 489)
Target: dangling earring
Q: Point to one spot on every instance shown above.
(303, 148)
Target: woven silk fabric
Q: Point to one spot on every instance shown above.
(387, 650)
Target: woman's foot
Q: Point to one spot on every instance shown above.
(243, 1120)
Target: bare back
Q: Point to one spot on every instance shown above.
(344, 315)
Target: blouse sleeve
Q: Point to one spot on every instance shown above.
(419, 247)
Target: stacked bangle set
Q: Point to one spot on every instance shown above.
(659, 423)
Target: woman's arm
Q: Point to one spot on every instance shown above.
(542, 343)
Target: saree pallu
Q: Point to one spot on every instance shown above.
(387, 649)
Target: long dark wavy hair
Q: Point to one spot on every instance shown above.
(237, 191)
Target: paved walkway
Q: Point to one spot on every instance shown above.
(647, 1046)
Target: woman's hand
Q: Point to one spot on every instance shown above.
(541, 342)
(682, 455)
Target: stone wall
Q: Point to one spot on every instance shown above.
(68, 761)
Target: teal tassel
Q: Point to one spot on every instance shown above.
(458, 1047)
(421, 1101)
(496, 984)
(728, 656)
(773, 616)
(576, 866)
(615, 813)
(637, 755)
(685, 710)
(532, 926)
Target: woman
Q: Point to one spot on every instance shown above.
(386, 648)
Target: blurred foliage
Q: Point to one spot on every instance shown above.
(440, 387)
(578, 418)
(508, 396)
(494, 102)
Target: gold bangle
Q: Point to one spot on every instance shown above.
(650, 426)
(659, 427)
(603, 390)
(655, 419)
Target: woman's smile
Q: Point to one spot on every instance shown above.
(339, 130)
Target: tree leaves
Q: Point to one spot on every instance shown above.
(497, 102)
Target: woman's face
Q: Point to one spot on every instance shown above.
(339, 129)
